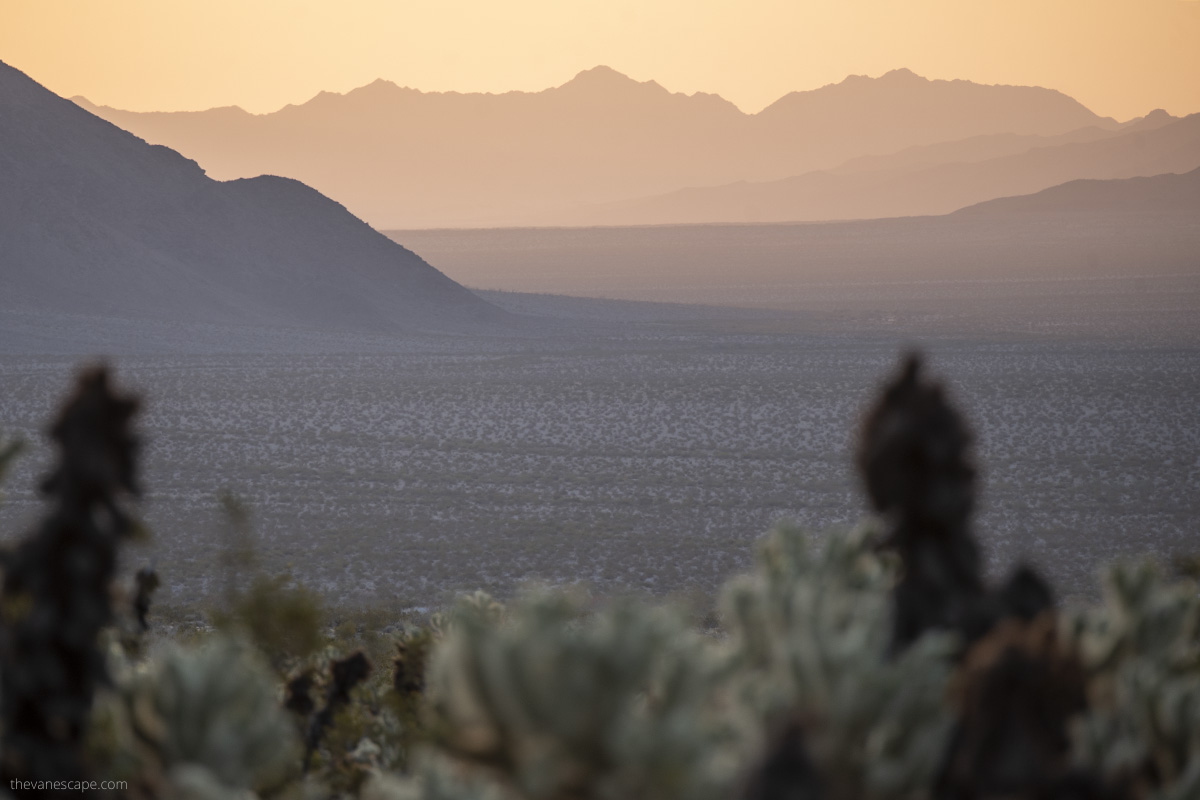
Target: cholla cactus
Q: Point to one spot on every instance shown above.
(195, 782)
(811, 630)
(435, 778)
(55, 598)
(1142, 650)
(786, 772)
(916, 462)
(558, 705)
(915, 459)
(412, 658)
(214, 707)
(477, 607)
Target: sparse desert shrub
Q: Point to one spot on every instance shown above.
(283, 618)
(374, 727)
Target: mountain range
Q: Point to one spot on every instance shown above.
(106, 240)
(402, 158)
(1158, 196)
(94, 221)
(922, 181)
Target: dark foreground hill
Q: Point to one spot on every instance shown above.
(95, 221)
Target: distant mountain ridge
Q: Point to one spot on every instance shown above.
(1160, 195)
(95, 221)
(924, 181)
(400, 157)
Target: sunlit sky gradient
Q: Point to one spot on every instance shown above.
(1120, 58)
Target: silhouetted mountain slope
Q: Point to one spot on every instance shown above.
(404, 158)
(95, 221)
(907, 189)
(1159, 195)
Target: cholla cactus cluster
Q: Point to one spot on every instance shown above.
(204, 721)
(1142, 652)
(810, 629)
(916, 462)
(556, 703)
(870, 665)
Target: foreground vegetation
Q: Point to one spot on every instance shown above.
(871, 664)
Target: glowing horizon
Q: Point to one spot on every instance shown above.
(1118, 58)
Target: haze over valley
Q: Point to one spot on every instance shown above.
(639, 399)
(669, 352)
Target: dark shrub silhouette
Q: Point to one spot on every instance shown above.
(55, 598)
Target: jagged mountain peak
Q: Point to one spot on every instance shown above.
(404, 158)
(902, 73)
(603, 78)
(601, 73)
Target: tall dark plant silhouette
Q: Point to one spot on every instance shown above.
(1019, 686)
(56, 598)
(916, 461)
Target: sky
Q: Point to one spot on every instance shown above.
(1121, 58)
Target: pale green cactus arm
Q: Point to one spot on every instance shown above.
(811, 627)
(196, 782)
(614, 705)
(214, 706)
(1142, 649)
(435, 778)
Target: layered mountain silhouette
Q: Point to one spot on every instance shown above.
(924, 181)
(402, 158)
(95, 221)
(1125, 254)
(1157, 196)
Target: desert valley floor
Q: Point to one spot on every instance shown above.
(647, 460)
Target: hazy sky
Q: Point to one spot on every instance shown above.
(1121, 58)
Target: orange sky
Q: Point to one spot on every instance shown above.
(1121, 58)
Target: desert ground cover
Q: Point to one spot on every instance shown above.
(648, 461)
